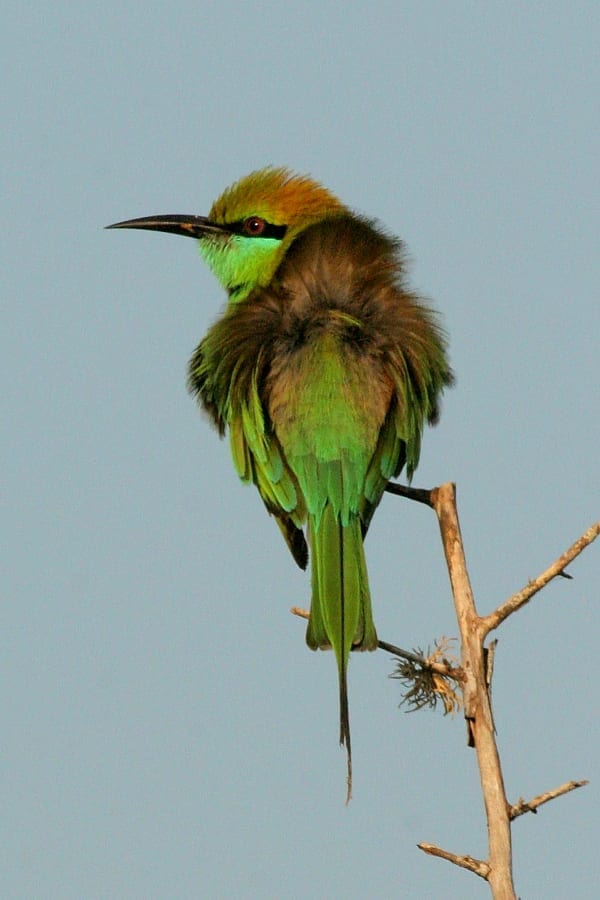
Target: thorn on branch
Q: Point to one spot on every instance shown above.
(489, 655)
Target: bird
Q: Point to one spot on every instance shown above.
(323, 369)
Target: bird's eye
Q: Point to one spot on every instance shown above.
(254, 226)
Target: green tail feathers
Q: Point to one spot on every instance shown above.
(340, 612)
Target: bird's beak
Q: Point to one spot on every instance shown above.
(191, 226)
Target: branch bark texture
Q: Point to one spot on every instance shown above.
(478, 713)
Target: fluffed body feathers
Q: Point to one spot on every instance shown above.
(324, 369)
(325, 379)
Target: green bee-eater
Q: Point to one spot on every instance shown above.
(323, 368)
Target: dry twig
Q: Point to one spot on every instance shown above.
(524, 806)
(553, 571)
(478, 866)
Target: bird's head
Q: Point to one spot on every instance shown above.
(250, 227)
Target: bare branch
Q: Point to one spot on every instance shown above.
(404, 654)
(478, 713)
(524, 806)
(474, 675)
(421, 495)
(478, 866)
(298, 611)
(556, 569)
(445, 669)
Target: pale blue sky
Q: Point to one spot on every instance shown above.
(166, 732)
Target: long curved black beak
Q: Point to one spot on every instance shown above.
(189, 226)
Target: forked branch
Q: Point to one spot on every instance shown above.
(472, 677)
(475, 669)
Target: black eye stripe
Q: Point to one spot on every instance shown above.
(269, 231)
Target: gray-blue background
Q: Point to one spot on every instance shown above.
(165, 731)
